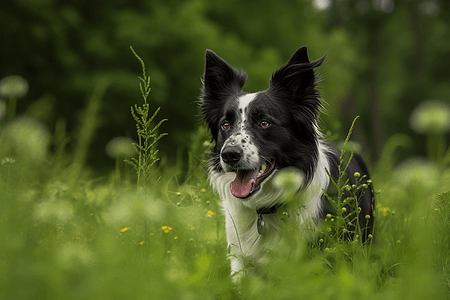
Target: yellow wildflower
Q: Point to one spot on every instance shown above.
(166, 229)
(141, 243)
(203, 190)
(125, 229)
(385, 209)
(210, 213)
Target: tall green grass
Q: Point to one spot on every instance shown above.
(99, 238)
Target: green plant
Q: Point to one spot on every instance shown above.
(12, 87)
(442, 238)
(432, 117)
(343, 224)
(147, 135)
(88, 126)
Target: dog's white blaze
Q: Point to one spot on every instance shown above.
(244, 102)
(250, 158)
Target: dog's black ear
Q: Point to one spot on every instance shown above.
(297, 75)
(220, 81)
(300, 56)
(220, 78)
(296, 84)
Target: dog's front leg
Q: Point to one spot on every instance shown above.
(237, 265)
(237, 227)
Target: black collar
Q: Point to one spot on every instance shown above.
(268, 210)
(265, 211)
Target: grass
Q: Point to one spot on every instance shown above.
(101, 238)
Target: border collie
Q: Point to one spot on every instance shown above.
(256, 136)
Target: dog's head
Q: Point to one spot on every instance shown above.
(256, 134)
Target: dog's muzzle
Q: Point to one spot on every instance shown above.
(248, 179)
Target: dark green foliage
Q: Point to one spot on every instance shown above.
(369, 71)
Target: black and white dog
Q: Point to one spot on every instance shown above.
(257, 136)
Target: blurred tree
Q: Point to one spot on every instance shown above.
(384, 57)
(394, 39)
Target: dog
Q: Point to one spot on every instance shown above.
(258, 136)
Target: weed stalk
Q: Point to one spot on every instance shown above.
(147, 135)
(345, 223)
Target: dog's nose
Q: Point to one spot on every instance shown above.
(231, 155)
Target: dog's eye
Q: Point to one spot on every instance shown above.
(264, 124)
(226, 125)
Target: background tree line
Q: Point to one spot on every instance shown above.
(385, 57)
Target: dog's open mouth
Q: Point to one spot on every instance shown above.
(249, 181)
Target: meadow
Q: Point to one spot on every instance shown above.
(154, 230)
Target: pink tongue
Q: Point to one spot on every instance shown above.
(242, 185)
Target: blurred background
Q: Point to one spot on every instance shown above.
(387, 62)
(74, 223)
